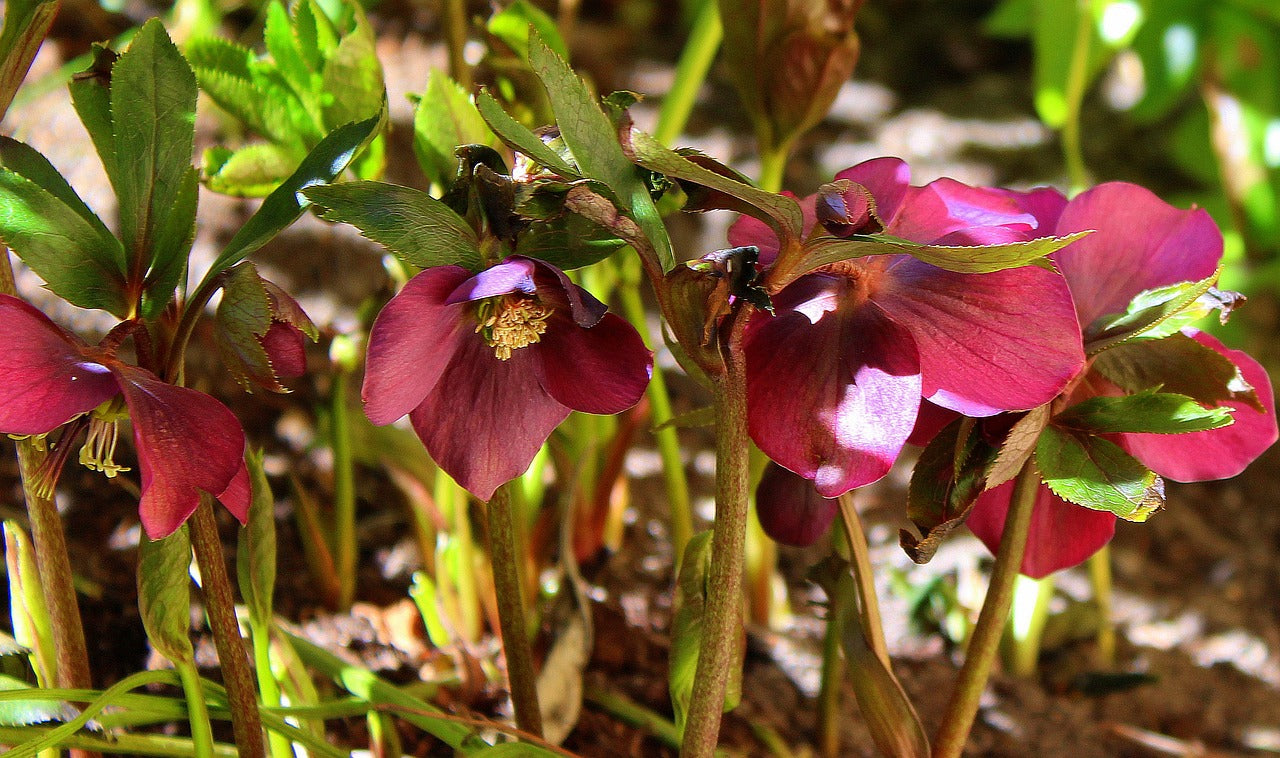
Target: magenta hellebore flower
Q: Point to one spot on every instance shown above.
(488, 364)
(1140, 243)
(187, 442)
(835, 379)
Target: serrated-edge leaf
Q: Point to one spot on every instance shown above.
(172, 246)
(1146, 313)
(518, 137)
(1147, 412)
(91, 96)
(1018, 446)
(1097, 474)
(964, 259)
(945, 483)
(254, 170)
(243, 318)
(283, 206)
(164, 594)
(1176, 364)
(352, 76)
(412, 225)
(34, 711)
(282, 44)
(256, 550)
(512, 25)
(594, 142)
(444, 118)
(77, 262)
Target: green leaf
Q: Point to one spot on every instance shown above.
(412, 225)
(176, 232)
(1157, 313)
(945, 483)
(317, 37)
(26, 22)
(256, 549)
(78, 260)
(1148, 411)
(445, 118)
(352, 77)
(251, 171)
(686, 630)
(518, 137)
(593, 140)
(965, 259)
(91, 96)
(283, 206)
(514, 23)
(1018, 446)
(1053, 36)
(568, 243)
(26, 161)
(1092, 472)
(254, 92)
(243, 319)
(28, 611)
(778, 211)
(153, 107)
(1176, 364)
(282, 44)
(164, 594)
(34, 711)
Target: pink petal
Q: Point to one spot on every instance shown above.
(832, 401)
(238, 494)
(748, 230)
(790, 509)
(1140, 242)
(1218, 453)
(604, 369)
(994, 342)
(1062, 534)
(888, 179)
(286, 349)
(929, 421)
(485, 419)
(411, 343)
(45, 378)
(187, 443)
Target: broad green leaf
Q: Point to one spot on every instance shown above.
(283, 206)
(172, 246)
(78, 260)
(593, 140)
(1176, 364)
(1157, 313)
(352, 77)
(27, 162)
(256, 549)
(568, 243)
(1095, 473)
(28, 611)
(25, 24)
(516, 136)
(1011, 18)
(254, 92)
(514, 23)
(779, 211)
(317, 37)
(164, 594)
(91, 96)
(1148, 411)
(412, 225)
(251, 171)
(445, 118)
(153, 107)
(282, 44)
(965, 259)
(945, 483)
(686, 630)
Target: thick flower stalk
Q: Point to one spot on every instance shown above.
(187, 442)
(486, 365)
(835, 378)
(1140, 243)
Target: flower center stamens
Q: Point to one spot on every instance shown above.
(99, 449)
(511, 322)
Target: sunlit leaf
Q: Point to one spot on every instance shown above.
(164, 594)
(1095, 473)
(1148, 411)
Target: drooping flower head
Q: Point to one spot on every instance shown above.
(1140, 243)
(187, 442)
(834, 380)
(488, 364)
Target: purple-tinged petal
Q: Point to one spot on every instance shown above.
(1062, 534)
(833, 401)
(412, 340)
(994, 342)
(555, 289)
(952, 213)
(790, 509)
(1140, 242)
(45, 378)
(888, 179)
(238, 495)
(604, 369)
(515, 274)
(1218, 453)
(187, 443)
(285, 347)
(751, 231)
(486, 418)
(929, 421)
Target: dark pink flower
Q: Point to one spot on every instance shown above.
(1140, 243)
(488, 364)
(790, 510)
(835, 379)
(187, 442)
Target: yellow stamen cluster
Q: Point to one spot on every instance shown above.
(513, 322)
(99, 448)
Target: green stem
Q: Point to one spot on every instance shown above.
(267, 683)
(452, 500)
(985, 642)
(773, 166)
(667, 438)
(1100, 577)
(718, 649)
(123, 744)
(691, 71)
(220, 606)
(197, 710)
(1026, 625)
(455, 32)
(830, 718)
(506, 557)
(864, 580)
(1077, 81)
(344, 493)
